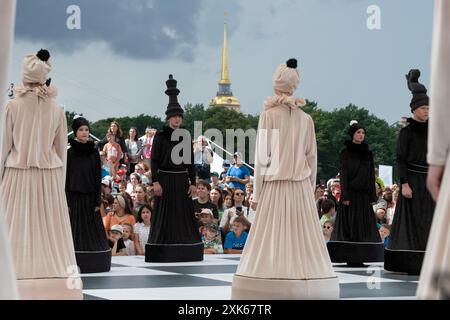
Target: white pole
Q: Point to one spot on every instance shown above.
(8, 288)
(7, 17)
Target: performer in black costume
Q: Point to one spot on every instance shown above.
(414, 210)
(174, 236)
(355, 238)
(83, 185)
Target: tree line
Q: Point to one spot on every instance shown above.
(331, 130)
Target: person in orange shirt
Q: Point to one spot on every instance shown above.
(122, 213)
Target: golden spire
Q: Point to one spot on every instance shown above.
(224, 97)
(225, 79)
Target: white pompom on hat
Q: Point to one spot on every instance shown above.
(355, 126)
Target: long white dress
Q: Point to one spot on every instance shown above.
(285, 256)
(8, 289)
(435, 276)
(32, 179)
(33, 152)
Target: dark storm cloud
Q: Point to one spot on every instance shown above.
(139, 29)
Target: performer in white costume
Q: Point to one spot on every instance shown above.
(285, 256)
(8, 289)
(435, 276)
(32, 178)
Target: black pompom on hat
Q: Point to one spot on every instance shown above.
(43, 55)
(291, 63)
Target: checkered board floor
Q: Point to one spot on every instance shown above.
(132, 278)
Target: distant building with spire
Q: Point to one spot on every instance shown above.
(224, 97)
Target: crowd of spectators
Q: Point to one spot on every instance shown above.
(327, 200)
(221, 205)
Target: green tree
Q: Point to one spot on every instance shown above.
(330, 126)
(193, 113)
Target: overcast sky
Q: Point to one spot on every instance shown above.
(118, 62)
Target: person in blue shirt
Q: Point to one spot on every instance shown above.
(238, 175)
(106, 167)
(235, 239)
(385, 232)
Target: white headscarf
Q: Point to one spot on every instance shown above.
(34, 70)
(285, 81)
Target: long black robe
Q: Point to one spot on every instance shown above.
(83, 185)
(355, 238)
(174, 236)
(412, 217)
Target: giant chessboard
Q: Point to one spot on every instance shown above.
(133, 278)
